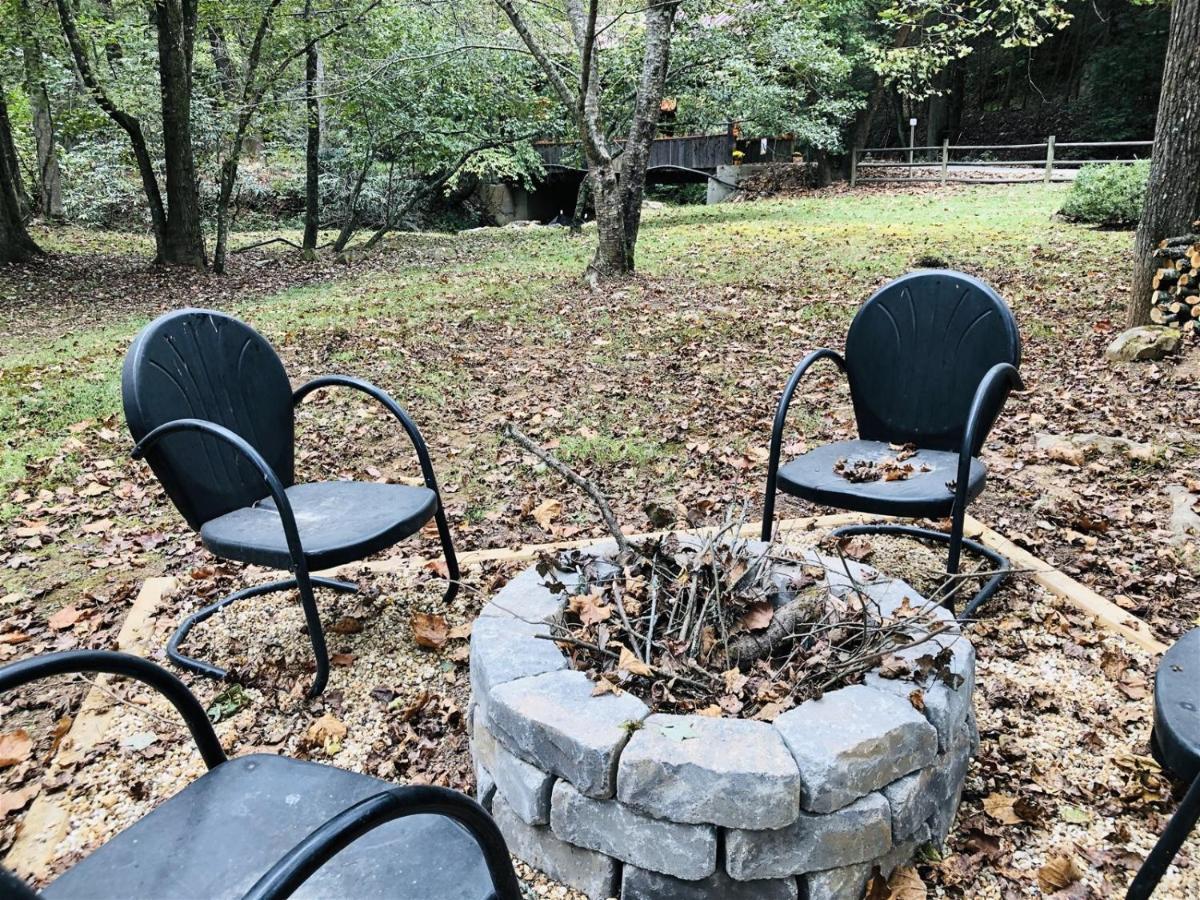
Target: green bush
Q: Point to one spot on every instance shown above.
(1108, 194)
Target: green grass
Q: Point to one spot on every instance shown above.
(808, 257)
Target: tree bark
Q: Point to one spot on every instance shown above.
(1173, 193)
(49, 180)
(183, 238)
(12, 165)
(15, 243)
(312, 151)
(660, 22)
(252, 93)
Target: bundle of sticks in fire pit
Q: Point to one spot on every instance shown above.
(1175, 298)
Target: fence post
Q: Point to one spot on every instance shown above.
(1049, 158)
(945, 158)
(853, 165)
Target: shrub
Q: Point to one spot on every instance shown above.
(1108, 194)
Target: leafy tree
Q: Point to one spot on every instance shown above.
(176, 223)
(570, 58)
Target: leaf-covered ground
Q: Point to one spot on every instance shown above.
(661, 389)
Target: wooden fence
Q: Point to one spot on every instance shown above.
(1042, 162)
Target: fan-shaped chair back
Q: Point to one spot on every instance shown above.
(916, 352)
(200, 364)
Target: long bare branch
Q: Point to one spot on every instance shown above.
(556, 80)
(513, 433)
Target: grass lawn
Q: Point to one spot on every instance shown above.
(660, 388)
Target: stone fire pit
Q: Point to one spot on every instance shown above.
(615, 801)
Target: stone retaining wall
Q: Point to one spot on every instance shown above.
(604, 796)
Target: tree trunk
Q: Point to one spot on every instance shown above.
(1173, 193)
(49, 186)
(252, 93)
(15, 243)
(660, 22)
(581, 202)
(183, 239)
(219, 47)
(610, 258)
(12, 165)
(312, 105)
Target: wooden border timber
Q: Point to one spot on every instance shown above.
(1082, 597)
(45, 824)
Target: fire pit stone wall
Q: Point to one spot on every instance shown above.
(615, 801)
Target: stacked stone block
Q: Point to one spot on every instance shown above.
(603, 796)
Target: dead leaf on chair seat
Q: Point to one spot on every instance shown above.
(430, 630)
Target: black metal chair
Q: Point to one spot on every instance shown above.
(931, 358)
(1175, 743)
(265, 827)
(210, 407)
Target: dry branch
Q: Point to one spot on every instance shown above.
(513, 433)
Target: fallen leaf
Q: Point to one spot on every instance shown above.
(346, 625)
(589, 609)
(461, 632)
(64, 618)
(604, 686)
(758, 616)
(546, 512)
(631, 664)
(906, 884)
(15, 747)
(1058, 873)
(11, 801)
(325, 729)
(342, 659)
(430, 630)
(1001, 808)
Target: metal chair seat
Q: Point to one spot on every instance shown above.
(220, 834)
(1177, 708)
(339, 522)
(812, 476)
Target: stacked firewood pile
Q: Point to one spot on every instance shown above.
(1175, 297)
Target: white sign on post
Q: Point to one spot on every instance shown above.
(912, 123)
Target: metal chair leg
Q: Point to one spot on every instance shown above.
(448, 552)
(213, 671)
(316, 633)
(1003, 566)
(1168, 845)
(768, 520)
(956, 540)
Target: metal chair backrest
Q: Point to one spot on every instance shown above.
(917, 350)
(200, 364)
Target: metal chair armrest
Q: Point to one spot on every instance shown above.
(343, 829)
(786, 400)
(20, 673)
(990, 395)
(385, 399)
(282, 505)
